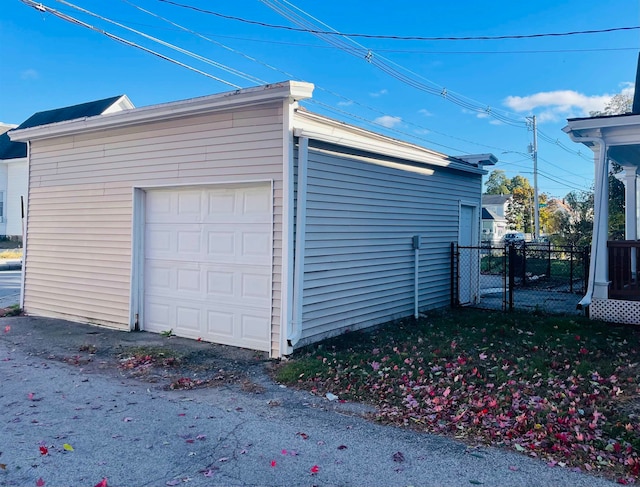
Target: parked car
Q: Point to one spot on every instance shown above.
(513, 238)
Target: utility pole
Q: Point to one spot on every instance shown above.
(534, 156)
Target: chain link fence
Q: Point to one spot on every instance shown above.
(523, 275)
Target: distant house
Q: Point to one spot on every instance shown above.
(494, 220)
(242, 219)
(13, 158)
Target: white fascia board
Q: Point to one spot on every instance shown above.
(293, 90)
(324, 129)
(601, 122)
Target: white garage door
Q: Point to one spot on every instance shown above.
(208, 264)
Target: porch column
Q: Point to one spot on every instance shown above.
(629, 178)
(599, 251)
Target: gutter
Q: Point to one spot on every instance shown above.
(300, 241)
(601, 179)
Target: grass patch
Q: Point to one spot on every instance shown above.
(11, 254)
(564, 389)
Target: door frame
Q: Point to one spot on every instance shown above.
(138, 229)
(474, 274)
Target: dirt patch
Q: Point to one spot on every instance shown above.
(168, 361)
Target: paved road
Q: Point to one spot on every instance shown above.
(9, 288)
(135, 433)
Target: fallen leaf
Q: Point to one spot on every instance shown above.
(273, 463)
(127, 419)
(342, 447)
(102, 483)
(3, 466)
(30, 396)
(208, 473)
(223, 459)
(67, 447)
(513, 469)
(7, 329)
(398, 456)
(40, 482)
(174, 482)
(44, 450)
(315, 469)
(304, 436)
(201, 437)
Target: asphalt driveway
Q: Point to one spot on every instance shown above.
(70, 414)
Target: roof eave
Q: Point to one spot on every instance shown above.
(294, 90)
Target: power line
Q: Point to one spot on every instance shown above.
(216, 64)
(397, 37)
(42, 8)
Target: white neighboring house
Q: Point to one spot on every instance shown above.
(14, 170)
(494, 219)
(241, 218)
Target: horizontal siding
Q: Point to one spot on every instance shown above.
(78, 260)
(359, 258)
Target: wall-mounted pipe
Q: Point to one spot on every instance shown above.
(300, 242)
(416, 275)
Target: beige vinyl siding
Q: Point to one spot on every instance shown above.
(361, 217)
(78, 261)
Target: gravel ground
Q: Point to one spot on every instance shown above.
(72, 415)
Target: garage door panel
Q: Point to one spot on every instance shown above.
(208, 264)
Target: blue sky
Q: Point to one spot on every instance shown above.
(47, 63)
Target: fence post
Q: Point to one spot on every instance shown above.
(512, 271)
(453, 268)
(524, 264)
(549, 261)
(571, 269)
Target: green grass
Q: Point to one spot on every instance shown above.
(565, 389)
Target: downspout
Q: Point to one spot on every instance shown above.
(25, 222)
(416, 275)
(601, 180)
(300, 241)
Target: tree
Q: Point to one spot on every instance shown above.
(497, 183)
(618, 105)
(520, 212)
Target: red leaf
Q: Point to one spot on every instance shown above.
(304, 436)
(273, 463)
(7, 329)
(315, 469)
(102, 483)
(40, 482)
(44, 450)
(30, 396)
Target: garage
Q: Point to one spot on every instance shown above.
(207, 263)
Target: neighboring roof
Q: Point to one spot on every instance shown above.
(490, 215)
(16, 150)
(495, 199)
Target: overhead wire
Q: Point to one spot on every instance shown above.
(333, 32)
(193, 55)
(42, 8)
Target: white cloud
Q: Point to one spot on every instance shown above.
(388, 121)
(345, 103)
(561, 104)
(425, 112)
(29, 74)
(378, 94)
